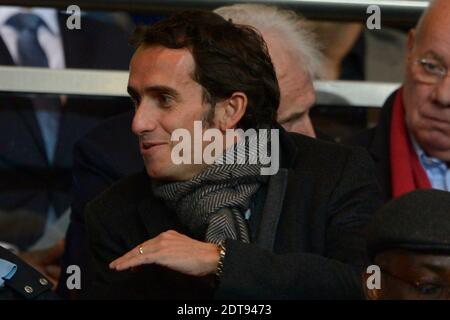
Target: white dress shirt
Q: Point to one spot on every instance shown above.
(49, 37)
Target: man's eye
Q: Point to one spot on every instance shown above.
(165, 100)
(429, 289)
(432, 67)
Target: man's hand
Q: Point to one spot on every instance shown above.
(174, 251)
(46, 261)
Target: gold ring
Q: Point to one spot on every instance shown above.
(141, 250)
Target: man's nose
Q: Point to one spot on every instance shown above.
(144, 120)
(442, 92)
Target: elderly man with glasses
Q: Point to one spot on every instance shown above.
(411, 144)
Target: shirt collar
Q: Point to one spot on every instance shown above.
(426, 161)
(49, 15)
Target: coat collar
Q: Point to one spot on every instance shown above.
(383, 130)
(276, 192)
(379, 146)
(288, 148)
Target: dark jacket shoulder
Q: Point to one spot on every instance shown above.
(319, 158)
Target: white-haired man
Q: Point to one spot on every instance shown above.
(295, 55)
(411, 143)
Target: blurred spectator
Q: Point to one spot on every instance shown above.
(409, 240)
(38, 132)
(411, 144)
(343, 46)
(295, 55)
(355, 53)
(344, 56)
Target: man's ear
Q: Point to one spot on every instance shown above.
(369, 294)
(229, 111)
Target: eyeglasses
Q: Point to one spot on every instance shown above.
(429, 71)
(424, 290)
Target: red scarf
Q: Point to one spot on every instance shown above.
(406, 171)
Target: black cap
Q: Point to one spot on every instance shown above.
(417, 221)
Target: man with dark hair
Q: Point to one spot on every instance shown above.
(111, 151)
(225, 230)
(409, 239)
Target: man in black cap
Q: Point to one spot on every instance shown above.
(409, 239)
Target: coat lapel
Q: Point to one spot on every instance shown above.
(267, 230)
(276, 192)
(379, 147)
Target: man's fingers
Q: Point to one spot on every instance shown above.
(134, 262)
(150, 246)
(131, 254)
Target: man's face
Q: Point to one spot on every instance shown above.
(296, 89)
(427, 105)
(166, 98)
(408, 275)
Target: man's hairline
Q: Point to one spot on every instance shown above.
(191, 73)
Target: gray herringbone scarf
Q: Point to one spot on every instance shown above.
(213, 203)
